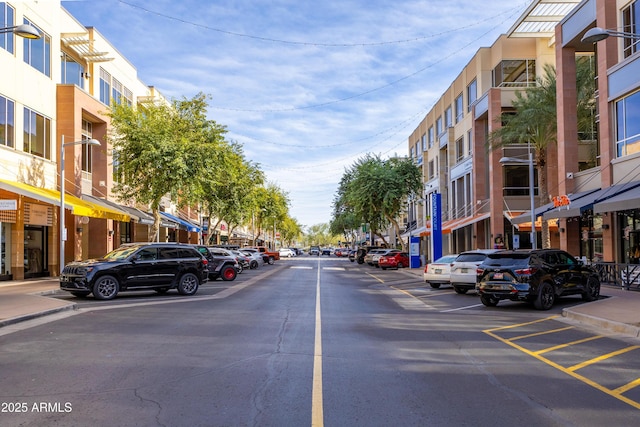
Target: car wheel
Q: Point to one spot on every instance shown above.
(435, 285)
(240, 268)
(384, 268)
(80, 294)
(400, 265)
(488, 301)
(460, 290)
(106, 287)
(253, 265)
(546, 297)
(188, 284)
(271, 260)
(161, 291)
(228, 273)
(592, 291)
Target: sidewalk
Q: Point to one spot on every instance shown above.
(618, 311)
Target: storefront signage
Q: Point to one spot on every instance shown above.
(38, 215)
(8, 205)
(559, 201)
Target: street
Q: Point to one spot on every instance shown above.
(316, 341)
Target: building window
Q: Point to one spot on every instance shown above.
(7, 122)
(472, 94)
(424, 142)
(459, 149)
(448, 117)
(432, 137)
(630, 22)
(627, 125)
(516, 180)
(37, 134)
(128, 97)
(432, 169)
(37, 52)
(515, 73)
(105, 87)
(116, 93)
(470, 142)
(7, 19)
(438, 126)
(71, 71)
(413, 153)
(87, 134)
(459, 108)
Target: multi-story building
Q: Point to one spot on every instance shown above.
(479, 194)
(54, 97)
(602, 223)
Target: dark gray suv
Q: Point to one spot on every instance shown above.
(137, 266)
(535, 276)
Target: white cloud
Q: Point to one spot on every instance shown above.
(302, 109)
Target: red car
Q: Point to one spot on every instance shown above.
(394, 259)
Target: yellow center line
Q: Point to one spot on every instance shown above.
(377, 278)
(317, 414)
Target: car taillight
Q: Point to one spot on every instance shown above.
(479, 271)
(426, 268)
(527, 271)
(205, 261)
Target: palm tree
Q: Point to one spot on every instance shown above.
(533, 121)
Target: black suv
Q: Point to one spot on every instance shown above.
(137, 266)
(221, 264)
(535, 276)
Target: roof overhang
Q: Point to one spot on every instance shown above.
(541, 18)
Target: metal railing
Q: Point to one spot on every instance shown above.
(627, 276)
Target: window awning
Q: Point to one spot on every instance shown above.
(586, 202)
(456, 223)
(622, 201)
(136, 214)
(76, 205)
(184, 223)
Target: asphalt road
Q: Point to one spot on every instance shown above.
(315, 341)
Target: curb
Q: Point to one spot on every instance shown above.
(31, 316)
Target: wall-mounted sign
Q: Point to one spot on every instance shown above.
(561, 201)
(8, 205)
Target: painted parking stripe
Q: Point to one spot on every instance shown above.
(603, 357)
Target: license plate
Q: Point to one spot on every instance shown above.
(438, 271)
(498, 276)
(464, 270)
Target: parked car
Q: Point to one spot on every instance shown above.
(286, 252)
(314, 250)
(137, 266)
(326, 251)
(463, 270)
(255, 258)
(438, 272)
(394, 259)
(535, 276)
(270, 256)
(242, 259)
(352, 255)
(222, 263)
(362, 253)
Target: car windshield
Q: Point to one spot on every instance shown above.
(121, 253)
(447, 259)
(517, 260)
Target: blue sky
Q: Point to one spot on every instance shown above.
(307, 87)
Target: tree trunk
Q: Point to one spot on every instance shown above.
(155, 228)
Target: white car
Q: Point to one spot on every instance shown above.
(286, 253)
(463, 269)
(256, 257)
(438, 272)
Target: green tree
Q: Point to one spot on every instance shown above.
(271, 206)
(375, 191)
(289, 230)
(533, 120)
(163, 149)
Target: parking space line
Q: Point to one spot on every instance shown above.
(558, 347)
(375, 277)
(615, 393)
(552, 331)
(603, 357)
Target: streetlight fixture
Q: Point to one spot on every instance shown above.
(531, 192)
(597, 34)
(63, 234)
(24, 30)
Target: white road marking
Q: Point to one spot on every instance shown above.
(461, 308)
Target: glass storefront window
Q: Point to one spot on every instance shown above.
(35, 244)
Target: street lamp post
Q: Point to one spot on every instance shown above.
(63, 234)
(24, 30)
(531, 192)
(597, 34)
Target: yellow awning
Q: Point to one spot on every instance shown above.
(76, 205)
